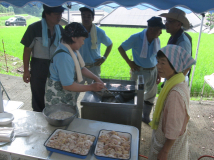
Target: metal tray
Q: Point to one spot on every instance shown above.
(66, 152)
(103, 132)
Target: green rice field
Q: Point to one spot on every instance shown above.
(115, 65)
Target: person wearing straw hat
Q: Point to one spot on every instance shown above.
(144, 47)
(90, 51)
(176, 20)
(171, 115)
(67, 69)
(40, 41)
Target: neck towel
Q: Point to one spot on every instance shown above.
(77, 63)
(45, 34)
(176, 79)
(93, 37)
(144, 49)
(173, 40)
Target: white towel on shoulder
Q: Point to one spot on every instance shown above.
(93, 37)
(144, 50)
(76, 62)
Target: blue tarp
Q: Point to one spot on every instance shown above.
(197, 6)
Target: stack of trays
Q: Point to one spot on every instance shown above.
(111, 145)
(70, 143)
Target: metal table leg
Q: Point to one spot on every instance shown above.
(202, 92)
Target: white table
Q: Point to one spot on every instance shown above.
(93, 128)
(31, 147)
(209, 79)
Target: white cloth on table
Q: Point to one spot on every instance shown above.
(6, 134)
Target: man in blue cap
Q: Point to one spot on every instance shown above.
(90, 50)
(144, 47)
(40, 41)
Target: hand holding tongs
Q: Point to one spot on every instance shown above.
(105, 89)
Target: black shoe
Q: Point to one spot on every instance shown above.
(146, 120)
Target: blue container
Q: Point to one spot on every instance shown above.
(126, 134)
(66, 152)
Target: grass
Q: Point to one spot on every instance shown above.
(12, 36)
(115, 65)
(32, 20)
(11, 67)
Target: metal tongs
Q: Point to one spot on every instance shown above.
(106, 90)
(118, 98)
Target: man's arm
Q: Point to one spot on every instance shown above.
(101, 60)
(131, 64)
(26, 60)
(108, 50)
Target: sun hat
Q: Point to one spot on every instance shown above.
(177, 14)
(156, 22)
(86, 8)
(178, 57)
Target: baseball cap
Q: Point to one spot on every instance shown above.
(156, 22)
(86, 8)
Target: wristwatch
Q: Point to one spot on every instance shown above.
(104, 57)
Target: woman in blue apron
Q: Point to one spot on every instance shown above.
(66, 69)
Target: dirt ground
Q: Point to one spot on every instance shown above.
(200, 129)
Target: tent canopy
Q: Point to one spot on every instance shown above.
(197, 6)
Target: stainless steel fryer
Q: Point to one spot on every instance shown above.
(128, 113)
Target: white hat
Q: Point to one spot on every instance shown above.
(177, 14)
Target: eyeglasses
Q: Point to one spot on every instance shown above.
(170, 21)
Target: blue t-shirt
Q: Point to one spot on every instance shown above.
(89, 55)
(184, 42)
(63, 69)
(135, 43)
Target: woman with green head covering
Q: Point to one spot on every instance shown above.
(171, 115)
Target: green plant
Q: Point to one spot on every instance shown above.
(210, 19)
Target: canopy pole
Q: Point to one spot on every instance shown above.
(199, 38)
(68, 16)
(69, 7)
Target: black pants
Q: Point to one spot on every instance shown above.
(39, 73)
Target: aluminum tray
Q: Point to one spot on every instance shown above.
(103, 132)
(66, 152)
